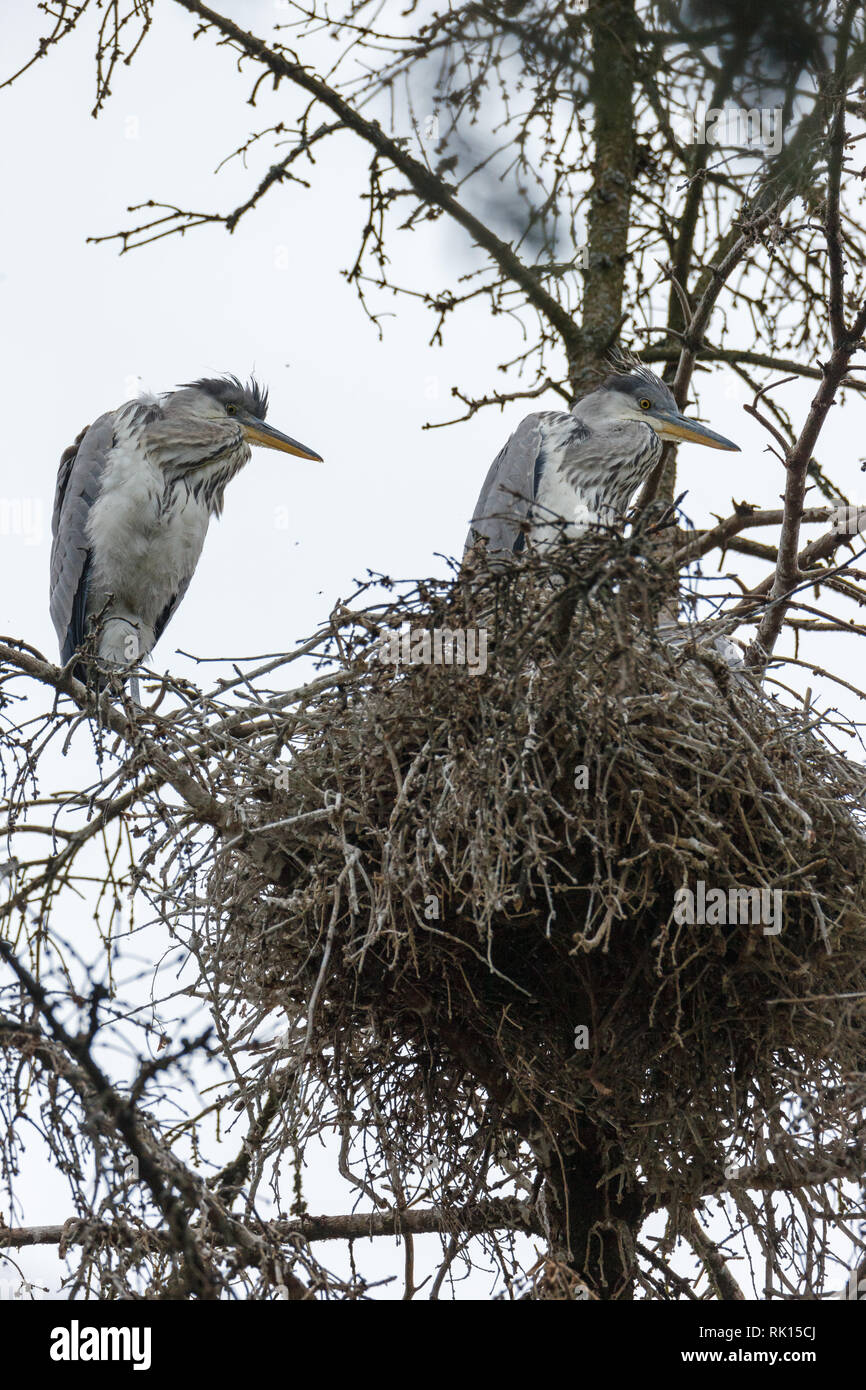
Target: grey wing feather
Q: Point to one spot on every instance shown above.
(79, 479)
(509, 489)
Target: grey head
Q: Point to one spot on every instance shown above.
(252, 398)
(633, 392)
(220, 398)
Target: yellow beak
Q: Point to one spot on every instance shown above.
(257, 432)
(669, 425)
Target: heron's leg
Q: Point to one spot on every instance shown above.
(123, 642)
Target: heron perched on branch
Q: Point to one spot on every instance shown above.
(561, 474)
(135, 494)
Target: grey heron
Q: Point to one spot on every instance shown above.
(562, 473)
(135, 494)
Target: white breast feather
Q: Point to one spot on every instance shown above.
(141, 556)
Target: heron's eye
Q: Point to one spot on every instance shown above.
(231, 410)
(645, 403)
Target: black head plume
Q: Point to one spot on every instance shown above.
(230, 390)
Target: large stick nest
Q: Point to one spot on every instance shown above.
(451, 902)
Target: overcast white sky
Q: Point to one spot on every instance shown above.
(82, 325)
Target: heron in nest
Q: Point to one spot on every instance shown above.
(135, 495)
(561, 474)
